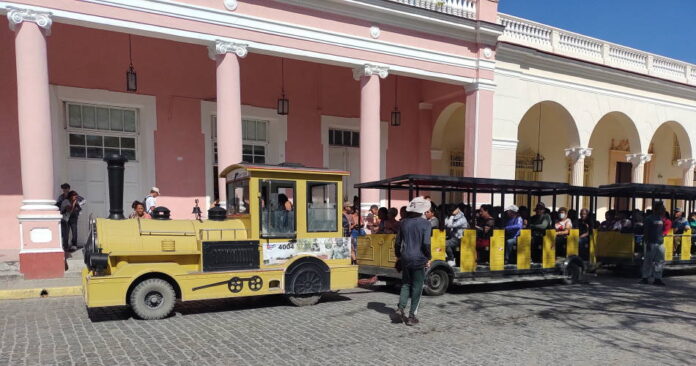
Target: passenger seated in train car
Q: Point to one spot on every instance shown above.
(539, 223)
(484, 229)
(513, 225)
(667, 222)
(692, 225)
(562, 226)
(609, 220)
(623, 223)
(680, 223)
(585, 225)
(455, 225)
(431, 216)
(524, 214)
(139, 211)
(390, 225)
(637, 228)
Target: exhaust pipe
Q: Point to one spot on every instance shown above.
(115, 167)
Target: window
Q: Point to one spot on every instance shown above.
(255, 141)
(238, 197)
(277, 209)
(95, 131)
(321, 208)
(344, 138)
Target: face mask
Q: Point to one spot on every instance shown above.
(562, 216)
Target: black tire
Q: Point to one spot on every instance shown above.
(436, 282)
(306, 285)
(573, 273)
(153, 299)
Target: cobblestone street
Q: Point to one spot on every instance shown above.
(610, 321)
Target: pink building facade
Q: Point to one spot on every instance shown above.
(209, 77)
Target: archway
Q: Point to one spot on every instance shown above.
(669, 143)
(447, 144)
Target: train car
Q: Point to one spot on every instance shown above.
(538, 258)
(624, 249)
(280, 234)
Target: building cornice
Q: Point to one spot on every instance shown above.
(532, 58)
(205, 39)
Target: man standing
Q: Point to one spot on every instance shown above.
(412, 248)
(151, 200)
(653, 235)
(65, 188)
(70, 209)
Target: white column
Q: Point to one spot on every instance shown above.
(638, 161)
(577, 156)
(370, 156)
(688, 166)
(229, 107)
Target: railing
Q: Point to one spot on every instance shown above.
(558, 41)
(460, 8)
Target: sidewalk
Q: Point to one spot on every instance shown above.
(14, 286)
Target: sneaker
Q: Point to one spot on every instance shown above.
(658, 283)
(644, 281)
(399, 316)
(451, 263)
(73, 248)
(411, 320)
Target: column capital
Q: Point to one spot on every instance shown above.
(222, 47)
(369, 70)
(638, 159)
(17, 16)
(686, 164)
(577, 153)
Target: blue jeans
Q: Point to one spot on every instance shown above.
(509, 245)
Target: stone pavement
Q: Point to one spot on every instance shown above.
(610, 321)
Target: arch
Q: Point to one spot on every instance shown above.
(669, 142)
(613, 136)
(447, 142)
(547, 128)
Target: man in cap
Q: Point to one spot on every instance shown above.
(539, 223)
(513, 225)
(653, 237)
(412, 248)
(680, 223)
(151, 200)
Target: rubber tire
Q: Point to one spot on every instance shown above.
(137, 299)
(573, 274)
(441, 279)
(305, 299)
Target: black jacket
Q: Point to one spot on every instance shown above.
(412, 244)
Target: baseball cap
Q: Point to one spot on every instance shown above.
(512, 208)
(154, 189)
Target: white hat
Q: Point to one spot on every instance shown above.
(512, 208)
(154, 189)
(419, 205)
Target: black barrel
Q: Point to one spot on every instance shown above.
(115, 167)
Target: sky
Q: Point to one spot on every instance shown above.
(663, 27)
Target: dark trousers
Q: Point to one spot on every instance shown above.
(510, 244)
(411, 288)
(537, 248)
(67, 227)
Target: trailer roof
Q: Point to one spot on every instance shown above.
(638, 190)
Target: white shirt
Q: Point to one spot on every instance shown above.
(149, 203)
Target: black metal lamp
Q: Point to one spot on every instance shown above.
(283, 102)
(131, 76)
(538, 162)
(395, 114)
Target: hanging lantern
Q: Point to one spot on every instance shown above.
(396, 117)
(131, 76)
(283, 103)
(538, 164)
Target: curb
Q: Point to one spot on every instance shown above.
(37, 293)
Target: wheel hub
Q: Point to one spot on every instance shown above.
(154, 300)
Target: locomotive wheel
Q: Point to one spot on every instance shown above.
(436, 282)
(153, 299)
(255, 283)
(306, 285)
(235, 284)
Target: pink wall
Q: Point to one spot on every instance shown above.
(180, 76)
(10, 179)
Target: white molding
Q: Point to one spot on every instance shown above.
(504, 144)
(592, 89)
(638, 159)
(436, 154)
(425, 106)
(41, 250)
(480, 84)
(147, 118)
(219, 17)
(231, 5)
(577, 153)
(375, 32)
(16, 16)
(40, 217)
(277, 134)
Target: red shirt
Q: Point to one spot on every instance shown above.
(667, 226)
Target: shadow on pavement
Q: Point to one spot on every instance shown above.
(208, 306)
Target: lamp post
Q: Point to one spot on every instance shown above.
(131, 76)
(396, 114)
(283, 103)
(538, 162)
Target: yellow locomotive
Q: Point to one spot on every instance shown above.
(280, 234)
